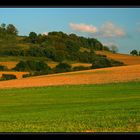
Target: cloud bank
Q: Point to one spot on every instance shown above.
(107, 30)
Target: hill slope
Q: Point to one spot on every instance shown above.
(98, 76)
(126, 59)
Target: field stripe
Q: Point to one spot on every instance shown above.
(98, 76)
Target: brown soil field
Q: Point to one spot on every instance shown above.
(18, 74)
(97, 76)
(9, 64)
(125, 58)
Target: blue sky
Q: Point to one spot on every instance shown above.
(111, 26)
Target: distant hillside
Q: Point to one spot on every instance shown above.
(56, 46)
(37, 50)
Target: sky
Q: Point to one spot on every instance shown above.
(111, 26)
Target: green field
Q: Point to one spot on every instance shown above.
(99, 108)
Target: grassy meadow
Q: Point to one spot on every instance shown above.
(79, 108)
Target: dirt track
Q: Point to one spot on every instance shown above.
(105, 75)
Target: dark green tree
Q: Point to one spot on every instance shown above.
(134, 52)
(11, 29)
(32, 37)
(21, 66)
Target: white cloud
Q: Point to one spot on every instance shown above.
(110, 30)
(107, 30)
(45, 33)
(109, 44)
(83, 27)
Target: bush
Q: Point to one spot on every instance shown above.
(78, 68)
(8, 76)
(116, 63)
(26, 75)
(100, 62)
(62, 67)
(21, 66)
(3, 68)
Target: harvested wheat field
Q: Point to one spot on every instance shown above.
(125, 58)
(81, 64)
(18, 74)
(98, 76)
(9, 64)
(53, 64)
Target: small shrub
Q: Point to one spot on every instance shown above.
(78, 68)
(100, 62)
(62, 67)
(8, 76)
(116, 63)
(21, 66)
(3, 68)
(26, 75)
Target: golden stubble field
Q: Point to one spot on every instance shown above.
(9, 64)
(97, 76)
(125, 58)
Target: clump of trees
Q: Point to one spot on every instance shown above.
(102, 62)
(33, 66)
(135, 52)
(7, 30)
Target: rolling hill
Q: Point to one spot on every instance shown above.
(125, 58)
